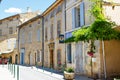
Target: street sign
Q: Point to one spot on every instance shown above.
(61, 38)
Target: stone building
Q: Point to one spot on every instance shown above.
(77, 16)
(54, 26)
(9, 33)
(30, 41)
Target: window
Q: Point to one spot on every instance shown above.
(58, 28)
(78, 16)
(0, 22)
(30, 25)
(11, 20)
(51, 29)
(52, 14)
(38, 35)
(69, 54)
(59, 9)
(46, 34)
(10, 30)
(0, 32)
(59, 58)
(30, 37)
(23, 37)
(39, 22)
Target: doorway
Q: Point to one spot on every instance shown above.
(51, 59)
(16, 59)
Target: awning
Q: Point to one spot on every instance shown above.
(6, 52)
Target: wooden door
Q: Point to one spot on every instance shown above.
(51, 59)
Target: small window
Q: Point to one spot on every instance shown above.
(39, 22)
(58, 28)
(0, 32)
(30, 37)
(46, 34)
(22, 37)
(38, 35)
(11, 20)
(0, 22)
(52, 14)
(10, 30)
(51, 29)
(59, 9)
(30, 25)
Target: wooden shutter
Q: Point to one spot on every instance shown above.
(82, 14)
(73, 18)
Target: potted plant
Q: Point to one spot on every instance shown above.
(69, 73)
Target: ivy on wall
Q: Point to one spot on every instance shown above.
(100, 29)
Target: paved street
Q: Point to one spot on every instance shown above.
(32, 73)
(5, 74)
(28, 73)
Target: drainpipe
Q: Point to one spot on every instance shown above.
(64, 34)
(104, 60)
(18, 45)
(42, 41)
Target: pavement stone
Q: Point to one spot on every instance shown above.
(5, 74)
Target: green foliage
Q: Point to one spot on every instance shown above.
(100, 29)
(70, 70)
(96, 9)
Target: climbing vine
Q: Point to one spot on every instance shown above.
(100, 29)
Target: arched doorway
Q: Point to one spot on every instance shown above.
(16, 59)
(51, 59)
(31, 59)
(10, 59)
(35, 59)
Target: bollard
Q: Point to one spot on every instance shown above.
(43, 68)
(14, 70)
(17, 72)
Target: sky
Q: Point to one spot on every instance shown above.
(12, 7)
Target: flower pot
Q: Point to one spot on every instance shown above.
(69, 76)
(90, 54)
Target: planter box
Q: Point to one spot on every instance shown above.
(69, 76)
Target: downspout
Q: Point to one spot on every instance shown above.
(65, 35)
(18, 45)
(104, 60)
(42, 41)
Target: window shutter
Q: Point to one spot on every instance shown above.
(82, 14)
(38, 35)
(73, 18)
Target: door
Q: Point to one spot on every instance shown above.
(16, 59)
(79, 58)
(51, 59)
(31, 59)
(22, 56)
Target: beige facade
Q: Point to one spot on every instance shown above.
(77, 15)
(54, 25)
(30, 42)
(9, 32)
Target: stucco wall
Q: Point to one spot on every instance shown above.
(57, 46)
(31, 48)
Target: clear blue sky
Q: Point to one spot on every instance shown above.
(12, 7)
